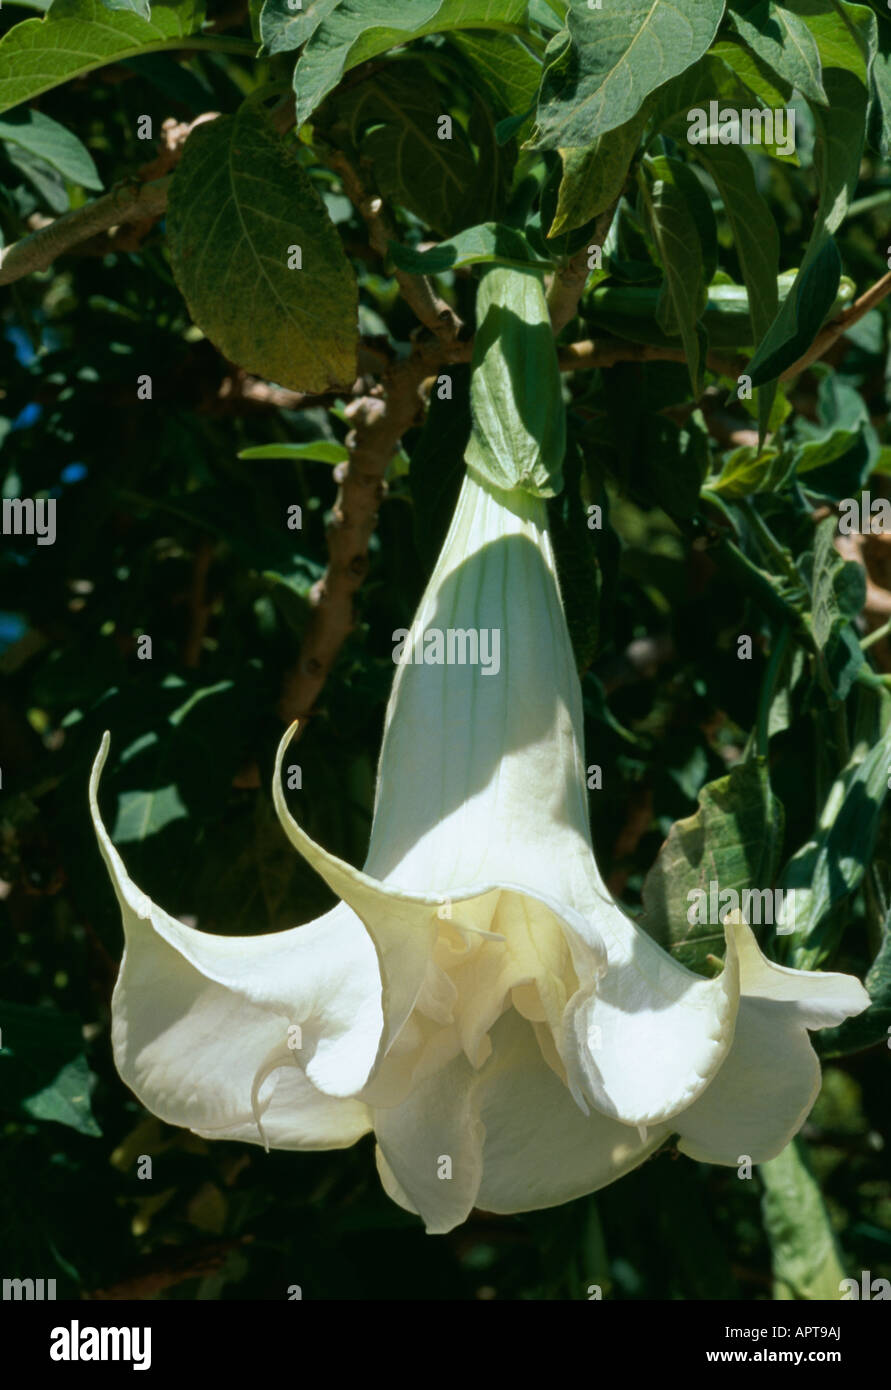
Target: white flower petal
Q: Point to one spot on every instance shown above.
(196, 1016)
(405, 927)
(295, 1115)
(765, 1089)
(480, 776)
(539, 1148)
(437, 1130)
(514, 1123)
(651, 1036)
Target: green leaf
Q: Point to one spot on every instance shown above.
(831, 865)
(519, 422)
(593, 177)
(361, 29)
(79, 35)
(880, 79)
(749, 470)
(817, 453)
(753, 227)
(391, 122)
(746, 67)
(144, 813)
(504, 65)
(43, 1068)
(838, 589)
(804, 1254)
(489, 194)
(488, 244)
(844, 33)
(48, 183)
(757, 243)
(284, 25)
(140, 7)
(839, 146)
(51, 142)
(874, 1025)
(319, 451)
(675, 217)
(845, 36)
(837, 152)
(727, 75)
(732, 840)
(239, 201)
(801, 314)
(782, 40)
(615, 58)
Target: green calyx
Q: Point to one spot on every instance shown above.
(516, 400)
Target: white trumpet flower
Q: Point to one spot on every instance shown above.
(477, 998)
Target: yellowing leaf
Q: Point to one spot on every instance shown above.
(241, 209)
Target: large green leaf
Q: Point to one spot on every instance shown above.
(802, 313)
(43, 1069)
(284, 26)
(593, 177)
(390, 121)
(674, 209)
(844, 33)
(766, 86)
(753, 227)
(839, 144)
(79, 35)
(40, 135)
(509, 72)
(616, 57)
(757, 243)
(783, 41)
(731, 840)
(239, 201)
(361, 29)
(725, 75)
(804, 1254)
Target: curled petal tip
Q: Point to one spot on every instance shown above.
(99, 764)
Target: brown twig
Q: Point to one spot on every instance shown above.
(417, 290)
(379, 421)
(569, 281)
(606, 352)
(127, 202)
(839, 326)
(141, 201)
